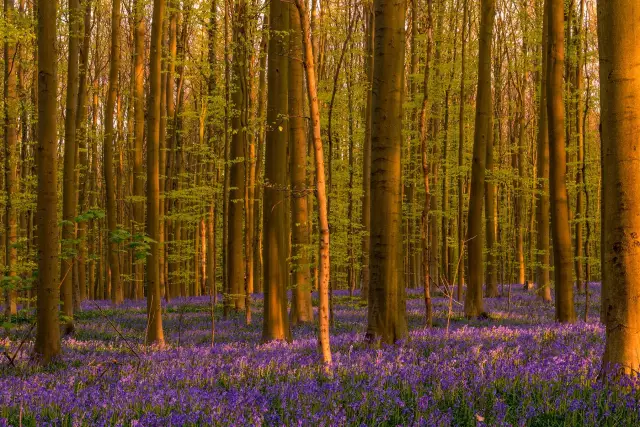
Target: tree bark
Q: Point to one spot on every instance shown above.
(619, 39)
(560, 229)
(387, 305)
(473, 304)
(47, 345)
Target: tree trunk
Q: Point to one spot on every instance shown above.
(155, 334)
(321, 192)
(117, 295)
(473, 304)
(47, 345)
(276, 324)
(387, 305)
(560, 229)
(11, 160)
(619, 39)
(301, 309)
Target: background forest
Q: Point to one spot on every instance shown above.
(205, 181)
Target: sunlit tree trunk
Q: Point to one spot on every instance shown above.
(560, 229)
(321, 192)
(619, 38)
(301, 309)
(138, 134)
(276, 274)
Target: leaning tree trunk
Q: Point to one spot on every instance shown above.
(473, 304)
(619, 38)
(47, 345)
(560, 229)
(387, 306)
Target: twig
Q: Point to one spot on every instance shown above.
(117, 331)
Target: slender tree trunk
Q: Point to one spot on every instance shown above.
(321, 192)
(618, 39)
(461, 138)
(580, 189)
(138, 134)
(543, 207)
(82, 171)
(366, 154)
(276, 324)
(11, 160)
(560, 229)
(47, 345)
(117, 294)
(387, 306)
(473, 304)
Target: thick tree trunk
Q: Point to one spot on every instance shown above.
(473, 304)
(239, 124)
(276, 274)
(47, 345)
(387, 305)
(155, 334)
(560, 229)
(619, 39)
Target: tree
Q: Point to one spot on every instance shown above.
(138, 135)
(274, 251)
(11, 183)
(301, 309)
(155, 334)
(239, 124)
(473, 304)
(321, 191)
(561, 232)
(619, 39)
(47, 345)
(543, 207)
(387, 307)
(117, 294)
(69, 172)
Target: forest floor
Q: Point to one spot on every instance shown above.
(516, 368)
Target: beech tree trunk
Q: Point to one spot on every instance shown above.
(321, 191)
(276, 274)
(387, 305)
(301, 309)
(619, 38)
(47, 345)
(473, 304)
(560, 229)
(117, 294)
